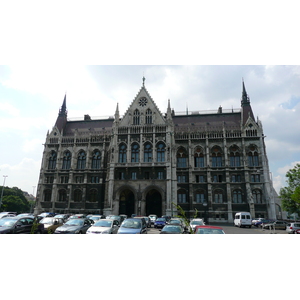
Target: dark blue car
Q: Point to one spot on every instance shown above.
(160, 223)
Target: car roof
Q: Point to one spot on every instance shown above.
(208, 226)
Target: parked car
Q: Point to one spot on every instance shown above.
(292, 227)
(160, 223)
(51, 223)
(262, 222)
(133, 226)
(75, 225)
(207, 229)
(96, 218)
(104, 226)
(77, 216)
(172, 229)
(254, 221)
(114, 217)
(46, 214)
(152, 218)
(144, 220)
(148, 221)
(196, 222)
(19, 225)
(64, 217)
(168, 218)
(7, 214)
(297, 231)
(277, 224)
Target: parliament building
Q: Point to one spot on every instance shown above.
(148, 161)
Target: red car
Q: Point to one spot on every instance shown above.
(206, 229)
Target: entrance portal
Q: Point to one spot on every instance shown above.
(153, 203)
(126, 206)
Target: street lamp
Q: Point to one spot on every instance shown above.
(2, 190)
(205, 212)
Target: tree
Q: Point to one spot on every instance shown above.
(181, 214)
(290, 195)
(14, 200)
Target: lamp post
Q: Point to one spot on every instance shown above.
(205, 204)
(2, 190)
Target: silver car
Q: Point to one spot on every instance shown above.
(275, 225)
(292, 227)
(104, 226)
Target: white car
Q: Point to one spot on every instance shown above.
(196, 222)
(104, 226)
(254, 221)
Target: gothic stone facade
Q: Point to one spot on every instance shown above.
(147, 162)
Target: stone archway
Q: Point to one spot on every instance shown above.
(126, 203)
(153, 203)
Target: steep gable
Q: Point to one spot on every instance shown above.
(141, 110)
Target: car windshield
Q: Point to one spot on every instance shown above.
(103, 223)
(47, 221)
(75, 222)
(197, 222)
(6, 222)
(168, 228)
(131, 224)
(94, 218)
(209, 231)
(161, 220)
(174, 222)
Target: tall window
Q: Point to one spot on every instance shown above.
(147, 153)
(66, 161)
(235, 160)
(181, 159)
(52, 160)
(253, 159)
(77, 195)
(199, 197)
(47, 195)
(161, 152)
(182, 196)
(136, 117)
(135, 150)
(96, 160)
(62, 195)
(181, 179)
(257, 196)
(148, 116)
(199, 158)
(237, 196)
(93, 195)
(216, 157)
(122, 153)
(218, 196)
(81, 160)
(255, 177)
(133, 175)
(160, 175)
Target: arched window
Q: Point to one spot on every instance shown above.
(147, 152)
(199, 196)
(148, 116)
(234, 157)
(81, 160)
(62, 195)
(160, 152)
(181, 158)
(122, 153)
(218, 196)
(52, 160)
(93, 195)
(199, 158)
(182, 196)
(216, 158)
(135, 150)
(66, 161)
(47, 195)
(253, 159)
(78, 195)
(237, 196)
(136, 117)
(96, 160)
(257, 196)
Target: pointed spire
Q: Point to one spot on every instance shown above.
(169, 112)
(144, 80)
(63, 110)
(245, 97)
(117, 115)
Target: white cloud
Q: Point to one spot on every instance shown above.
(9, 109)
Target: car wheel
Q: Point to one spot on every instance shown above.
(79, 232)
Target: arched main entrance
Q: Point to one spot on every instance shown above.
(153, 203)
(126, 206)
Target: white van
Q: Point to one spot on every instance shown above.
(243, 219)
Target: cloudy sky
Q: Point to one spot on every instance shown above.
(32, 95)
